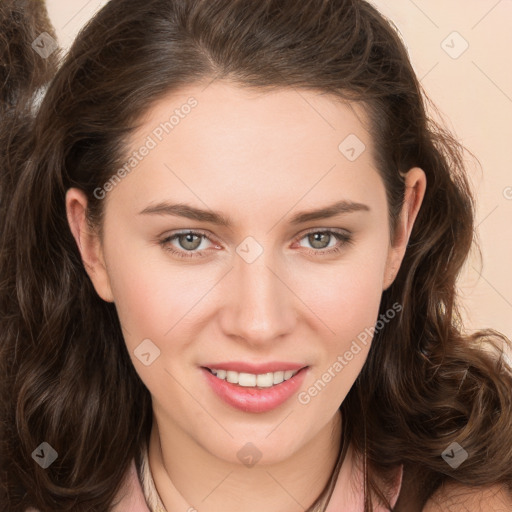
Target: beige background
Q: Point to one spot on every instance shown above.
(473, 90)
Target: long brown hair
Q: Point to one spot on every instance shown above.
(67, 378)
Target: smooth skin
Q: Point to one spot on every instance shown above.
(259, 158)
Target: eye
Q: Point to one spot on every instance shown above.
(321, 239)
(189, 242)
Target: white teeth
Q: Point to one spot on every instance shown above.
(250, 380)
(247, 380)
(278, 377)
(232, 377)
(265, 380)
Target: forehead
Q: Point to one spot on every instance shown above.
(222, 112)
(277, 144)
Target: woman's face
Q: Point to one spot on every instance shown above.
(270, 289)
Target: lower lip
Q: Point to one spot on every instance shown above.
(255, 399)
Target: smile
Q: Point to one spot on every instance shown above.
(255, 392)
(250, 380)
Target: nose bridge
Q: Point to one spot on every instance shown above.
(261, 306)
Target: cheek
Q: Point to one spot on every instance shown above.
(345, 298)
(152, 302)
(346, 301)
(157, 300)
(349, 307)
(155, 305)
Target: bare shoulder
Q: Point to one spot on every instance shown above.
(454, 497)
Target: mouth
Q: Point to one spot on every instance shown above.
(253, 380)
(257, 391)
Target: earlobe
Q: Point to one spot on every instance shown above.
(88, 243)
(415, 186)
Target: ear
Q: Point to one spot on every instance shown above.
(415, 186)
(88, 242)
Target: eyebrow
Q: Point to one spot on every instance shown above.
(190, 212)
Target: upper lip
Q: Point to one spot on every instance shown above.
(255, 368)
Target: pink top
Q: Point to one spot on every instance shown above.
(139, 493)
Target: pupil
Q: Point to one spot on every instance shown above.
(317, 238)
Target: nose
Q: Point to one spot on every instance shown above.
(261, 307)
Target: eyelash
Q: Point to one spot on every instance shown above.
(342, 236)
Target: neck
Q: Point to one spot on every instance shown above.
(187, 477)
